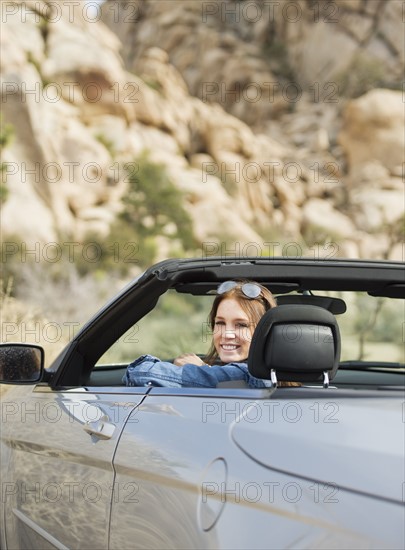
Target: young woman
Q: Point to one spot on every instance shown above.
(234, 315)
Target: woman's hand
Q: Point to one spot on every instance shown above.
(187, 358)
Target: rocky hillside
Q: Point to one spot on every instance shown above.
(276, 128)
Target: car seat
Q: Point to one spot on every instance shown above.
(295, 343)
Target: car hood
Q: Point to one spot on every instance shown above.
(355, 444)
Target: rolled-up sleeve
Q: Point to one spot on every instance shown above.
(148, 370)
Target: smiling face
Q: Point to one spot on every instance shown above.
(232, 332)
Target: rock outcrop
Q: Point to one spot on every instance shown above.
(83, 101)
(243, 54)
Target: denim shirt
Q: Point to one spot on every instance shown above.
(148, 370)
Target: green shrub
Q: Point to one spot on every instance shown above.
(108, 143)
(362, 75)
(154, 206)
(276, 55)
(119, 253)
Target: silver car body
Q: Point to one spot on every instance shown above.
(87, 466)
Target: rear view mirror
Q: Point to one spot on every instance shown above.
(21, 363)
(334, 305)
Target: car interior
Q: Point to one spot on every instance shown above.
(298, 341)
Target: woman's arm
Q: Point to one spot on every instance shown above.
(149, 370)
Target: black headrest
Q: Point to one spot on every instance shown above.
(298, 342)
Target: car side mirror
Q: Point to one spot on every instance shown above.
(21, 363)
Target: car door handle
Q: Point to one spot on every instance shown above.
(101, 428)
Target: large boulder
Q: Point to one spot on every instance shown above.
(373, 130)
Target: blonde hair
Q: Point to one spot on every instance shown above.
(254, 308)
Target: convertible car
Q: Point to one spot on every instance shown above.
(87, 462)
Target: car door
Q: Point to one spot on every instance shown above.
(171, 446)
(194, 487)
(188, 456)
(59, 446)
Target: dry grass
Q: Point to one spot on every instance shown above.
(47, 305)
(22, 322)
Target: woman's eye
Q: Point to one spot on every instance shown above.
(242, 325)
(218, 323)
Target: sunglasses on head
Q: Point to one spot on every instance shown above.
(250, 290)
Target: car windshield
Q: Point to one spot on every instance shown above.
(371, 329)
